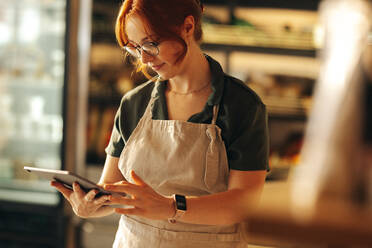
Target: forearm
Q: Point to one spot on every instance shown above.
(223, 208)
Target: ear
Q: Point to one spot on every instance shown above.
(189, 26)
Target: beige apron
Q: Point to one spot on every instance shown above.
(175, 157)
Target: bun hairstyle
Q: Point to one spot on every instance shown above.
(163, 17)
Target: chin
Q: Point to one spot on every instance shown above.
(165, 75)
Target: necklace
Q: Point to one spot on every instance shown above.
(189, 92)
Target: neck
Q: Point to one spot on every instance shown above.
(194, 76)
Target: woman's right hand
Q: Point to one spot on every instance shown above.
(84, 205)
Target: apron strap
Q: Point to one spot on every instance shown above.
(215, 113)
(148, 112)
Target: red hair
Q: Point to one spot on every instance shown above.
(163, 17)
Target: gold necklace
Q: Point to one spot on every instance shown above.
(190, 92)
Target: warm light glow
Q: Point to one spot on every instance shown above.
(343, 34)
(318, 37)
(5, 34)
(5, 23)
(345, 24)
(29, 29)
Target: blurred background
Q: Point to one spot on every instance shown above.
(62, 76)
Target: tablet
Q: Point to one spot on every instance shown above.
(67, 178)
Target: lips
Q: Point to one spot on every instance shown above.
(157, 67)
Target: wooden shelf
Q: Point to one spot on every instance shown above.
(252, 39)
(285, 106)
(257, 49)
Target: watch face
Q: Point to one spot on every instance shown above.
(181, 202)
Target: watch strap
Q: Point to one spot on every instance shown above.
(180, 207)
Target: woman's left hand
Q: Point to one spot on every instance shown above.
(143, 200)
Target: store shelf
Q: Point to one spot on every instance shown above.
(42, 83)
(29, 197)
(258, 49)
(251, 39)
(33, 142)
(287, 107)
(289, 4)
(30, 148)
(27, 185)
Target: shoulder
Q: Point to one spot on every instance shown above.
(134, 102)
(139, 94)
(132, 107)
(242, 110)
(237, 92)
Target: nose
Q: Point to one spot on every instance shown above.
(146, 57)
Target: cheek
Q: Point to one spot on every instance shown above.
(171, 51)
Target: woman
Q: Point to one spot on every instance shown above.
(167, 150)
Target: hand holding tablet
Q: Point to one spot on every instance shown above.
(67, 178)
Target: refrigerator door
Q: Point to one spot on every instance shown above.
(44, 51)
(32, 82)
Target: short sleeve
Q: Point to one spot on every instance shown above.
(116, 143)
(249, 150)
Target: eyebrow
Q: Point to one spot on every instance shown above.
(142, 41)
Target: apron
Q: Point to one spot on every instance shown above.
(175, 157)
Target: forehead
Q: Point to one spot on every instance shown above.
(136, 29)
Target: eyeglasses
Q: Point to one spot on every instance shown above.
(150, 48)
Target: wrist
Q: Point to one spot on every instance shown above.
(179, 203)
(171, 207)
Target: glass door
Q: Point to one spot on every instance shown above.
(32, 76)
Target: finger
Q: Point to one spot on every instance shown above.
(61, 188)
(137, 179)
(122, 183)
(90, 195)
(101, 200)
(77, 189)
(124, 188)
(123, 201)
(129, 211)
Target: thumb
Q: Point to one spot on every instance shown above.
(137, 179)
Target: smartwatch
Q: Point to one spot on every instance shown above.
(180, 206)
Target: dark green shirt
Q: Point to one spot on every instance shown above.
(242, 118)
